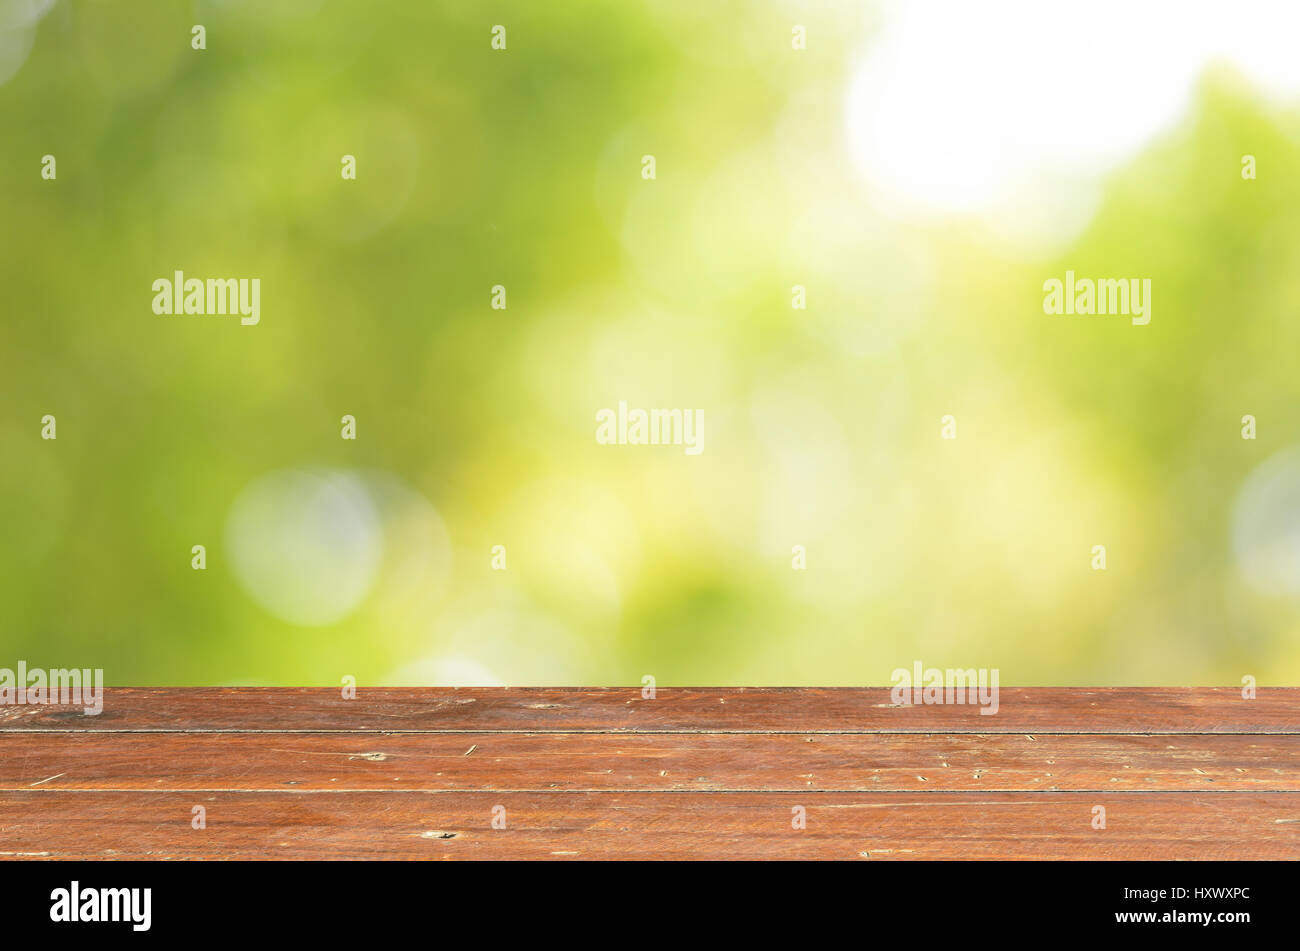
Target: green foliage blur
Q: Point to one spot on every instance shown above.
(475, 426)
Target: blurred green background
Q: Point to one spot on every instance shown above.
(475, 426)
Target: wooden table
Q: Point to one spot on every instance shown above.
(692, 773)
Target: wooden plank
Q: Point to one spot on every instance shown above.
(596, 825)
(603, 773)
(48, 762)
(620, 710)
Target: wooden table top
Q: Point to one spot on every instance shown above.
(605, 773)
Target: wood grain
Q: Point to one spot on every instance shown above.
(650, 762)
(692, 774)
(604, 825)
(674, 709)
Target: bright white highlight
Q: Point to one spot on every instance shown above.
(1266, 526)
(987, 107)
(306, 544)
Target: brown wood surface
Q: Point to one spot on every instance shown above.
(604, 773)
(649, 825)
(651, 762)
(674, 710)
